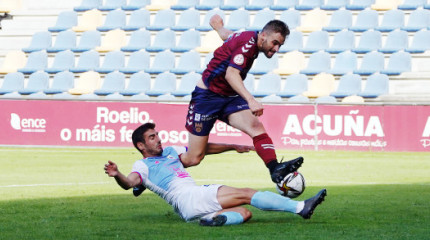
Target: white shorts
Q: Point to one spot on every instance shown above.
(199, 202)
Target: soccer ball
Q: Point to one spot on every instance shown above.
(292, 186)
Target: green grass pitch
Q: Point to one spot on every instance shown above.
(63, 193)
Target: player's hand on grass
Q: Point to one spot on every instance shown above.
(256, 107)
(111, 169)
(244, 148)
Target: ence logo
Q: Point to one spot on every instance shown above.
(27, 124)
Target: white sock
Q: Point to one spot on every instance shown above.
(300, 206)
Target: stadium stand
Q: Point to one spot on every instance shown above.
(163, 19)
(86, 83)
(184, 4)
(398, 63)
(89, 40)
(209, 42)
(88, 21)
(65, 40)
(411, 4)
(139, 83)
(249, 82)
(342, 41)
(366, 19)
(206, 5)
(62, 82)
(36, 61)
(309, 5)
(188, 62)
(231, 5)
(332, 5)
(339, 20)
(134, 5)
(322, 84)
(369, 41)
(269, 83)
(164, 83)
(65, 21)
(345, 62)
(353, 99)
(295, 85)
(239, 19)
(314, 20)
(260, 19)
(113, 82)
(256, 5)
(110, 5)
(138, 19)
(63, 61)
(291, 17)
(396, 40)
(393, 19)
(88, 61)
(114, 19)
(113, 61)
(376, 85)
(164, 40)
(359, 4)
(317, 41)
(188, 41)
(371, 62)
(112, 41)
(384, 5)
(290, 63)
(325, 99)
(187, 84)
(204, 25)
(318, 62)
(298, 99)
(349, 84)
(293, 42)
(188, 19)
(13, 61)
(263, 65)
(87, 5)
(282, 5)
(39, 41)
(418, 19)
(163, 61)
(37, 82)
(137, 61)
(12, 82)
(160, 5)
(420, 42)
(138, 40)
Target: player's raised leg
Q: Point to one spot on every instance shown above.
(196, 150)
(251, 125)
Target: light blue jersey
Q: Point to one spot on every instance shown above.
(165, 175)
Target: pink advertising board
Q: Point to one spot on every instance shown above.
(110, 124)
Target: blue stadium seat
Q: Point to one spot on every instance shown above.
(359, 4)
(231, 5)
(396, 40)
(163, 19)
(88, 5)
(398, 63)
(309, 5)
(88, 61)
(163, 61)
(392, 20)
(291, 17)
(208, 57)
(187, 84)
(293, 42)
(257, 5)
(332, 5)
(239, 19)
(138, 19)
(62, 82)
(188, 41)
(272, 98)
(204, 26)
(366, 19)
(411, 4)
(89, 40)
(282, 5)
(39, 41)
(164, 39)
(36, 61)
(184, 4)
(325, 99)
(110, 5)
(349, 84)
(134, 5)
(372, 62)
(260, 19)
(188, 19)
(340, 19)
(188, 62)
(139, 83)
(269, 83)
(65, 40)
(114, 19)
(66, 20)
(138, 61)
(12, 82)
(249, 82)
(263, 65)
(298, 99)
(63, 61)
(376, 85)
(369, 41)
(345, 62)
(427, 6)
(343, 41)
(318, 62)
(113, 82)
(418, 19)
(113, 61)
(206, 5)
(139, 40)
(420, 42)
(37, 82)
(295, 84)
(317, 41)
(164, 83)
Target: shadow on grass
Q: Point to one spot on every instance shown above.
(349, 212)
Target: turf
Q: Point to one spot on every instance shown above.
(55, 193)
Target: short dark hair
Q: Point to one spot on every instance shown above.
(277, 26)
(137, 135)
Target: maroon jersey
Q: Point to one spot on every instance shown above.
(239, 51)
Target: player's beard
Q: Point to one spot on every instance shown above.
(267, 52)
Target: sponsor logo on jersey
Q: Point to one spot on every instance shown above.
(238, 59)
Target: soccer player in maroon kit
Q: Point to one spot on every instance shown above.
(221, 94)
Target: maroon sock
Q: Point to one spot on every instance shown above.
(265, 149)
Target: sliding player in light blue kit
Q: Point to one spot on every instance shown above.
(162, 172)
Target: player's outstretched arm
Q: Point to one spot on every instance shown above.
(217, 24)
(214, 148)
(132, 180)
